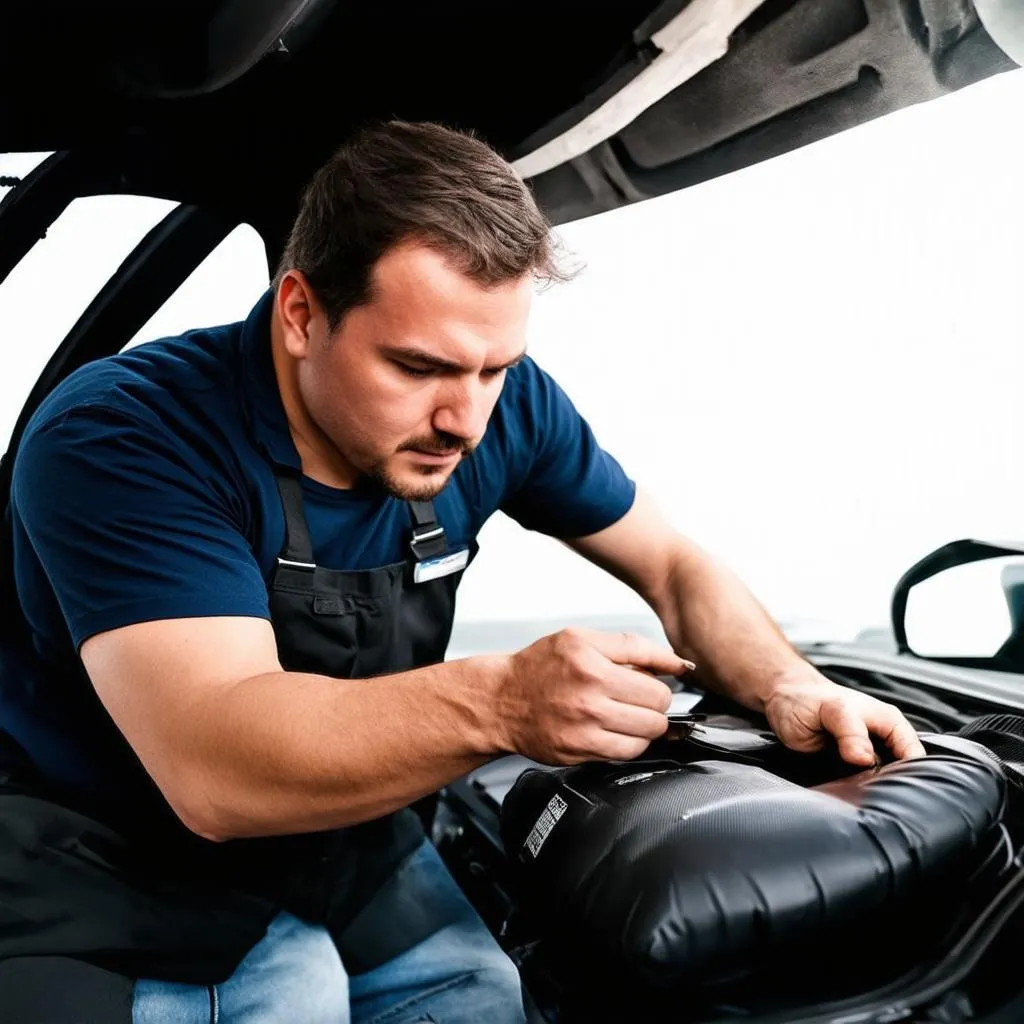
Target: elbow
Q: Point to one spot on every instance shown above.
(201, 822)
(202, 814)
(206, 828)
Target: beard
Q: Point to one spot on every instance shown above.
(426, 482)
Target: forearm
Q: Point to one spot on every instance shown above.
(288, 752)
(710, 617)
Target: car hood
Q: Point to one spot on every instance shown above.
(599, 105)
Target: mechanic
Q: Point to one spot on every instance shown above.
(236, 554)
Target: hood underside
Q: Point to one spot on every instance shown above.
(231, 102)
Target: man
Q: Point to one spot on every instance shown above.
(236, 555)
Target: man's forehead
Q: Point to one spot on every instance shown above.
(415, 274)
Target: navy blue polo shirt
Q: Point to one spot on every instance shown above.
(144, 489)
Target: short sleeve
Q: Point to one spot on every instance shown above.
(570, 486)
(129, 524)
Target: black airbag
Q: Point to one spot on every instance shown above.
(679, 872)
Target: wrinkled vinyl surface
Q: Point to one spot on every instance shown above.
(674, 871)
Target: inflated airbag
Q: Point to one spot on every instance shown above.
(675, 872)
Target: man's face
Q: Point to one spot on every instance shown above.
(404, 388)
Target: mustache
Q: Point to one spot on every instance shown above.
(439, 444)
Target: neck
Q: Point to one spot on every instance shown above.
(320, 459)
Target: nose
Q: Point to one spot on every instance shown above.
(462, 410)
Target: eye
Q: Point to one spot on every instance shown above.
(414, 371)
(493, 374)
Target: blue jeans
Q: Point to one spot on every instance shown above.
(294, 975)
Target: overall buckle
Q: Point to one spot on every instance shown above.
(428, 542)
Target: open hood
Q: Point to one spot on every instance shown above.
(599, 104)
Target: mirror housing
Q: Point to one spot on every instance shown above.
(1009, 657)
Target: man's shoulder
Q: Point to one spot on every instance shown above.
(156, 382)
(532, 418)
(526, 376)
(527, 394)
(533, 405)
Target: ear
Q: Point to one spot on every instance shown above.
(300, 314)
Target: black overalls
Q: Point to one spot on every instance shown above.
(151, 899)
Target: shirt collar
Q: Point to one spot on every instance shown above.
(260, 391)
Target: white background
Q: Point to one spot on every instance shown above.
(815, 365)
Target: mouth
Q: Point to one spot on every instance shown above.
(435, 458)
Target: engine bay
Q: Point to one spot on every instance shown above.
(906, 942)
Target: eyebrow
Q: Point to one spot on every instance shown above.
(415, 355)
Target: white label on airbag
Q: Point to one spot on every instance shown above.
(545, 823)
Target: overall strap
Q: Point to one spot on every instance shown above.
(428, 536)
(298, 548)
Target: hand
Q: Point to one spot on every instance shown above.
(580, 695)
(804, 707)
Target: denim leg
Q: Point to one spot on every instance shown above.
(459, 975)
(292, 975)
(171, 1002)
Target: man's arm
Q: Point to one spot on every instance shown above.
(240, 747)
(165, 601)
(712, 618)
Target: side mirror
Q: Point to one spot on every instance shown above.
(963, 604)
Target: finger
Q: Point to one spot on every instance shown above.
(849, 729)
(602, 745)
(888, 723)
(630, 720)
(630, 649)
(637, 688)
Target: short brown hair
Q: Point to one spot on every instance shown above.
(399, 181)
